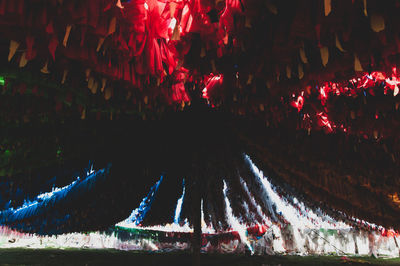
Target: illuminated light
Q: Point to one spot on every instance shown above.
(2, 81)
(146, 6)
(178, 209)
(234, 222)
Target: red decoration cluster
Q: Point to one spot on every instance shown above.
(141, 44)
(366, 87)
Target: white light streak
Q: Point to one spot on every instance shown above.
(234, 222)
(178, 209)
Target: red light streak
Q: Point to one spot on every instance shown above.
(298, 103)
(212, 82)
(323, 94)
(324, 120)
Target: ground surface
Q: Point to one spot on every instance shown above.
(113, 257)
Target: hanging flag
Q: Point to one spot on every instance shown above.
(103, 84)
(365, 8)
(271, 7)
(94, 87)
(107, 93)
(64, 76)
(45, 68)
(13, 49)
(99, 44)
(377, 23)
(113, 26)
(119, 4)
(87, 73)
(324, 55)
(23, 61)
(300, 71)
(328, 7)
(288, 72)
(66, 36)
(83, 115)
(90, 83)
(172, 8)
(303, 56)
(338, 44)
(357, 64)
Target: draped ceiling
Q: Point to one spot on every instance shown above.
(309, 89)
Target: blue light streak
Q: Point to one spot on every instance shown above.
(139, 213)
(48, 199)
